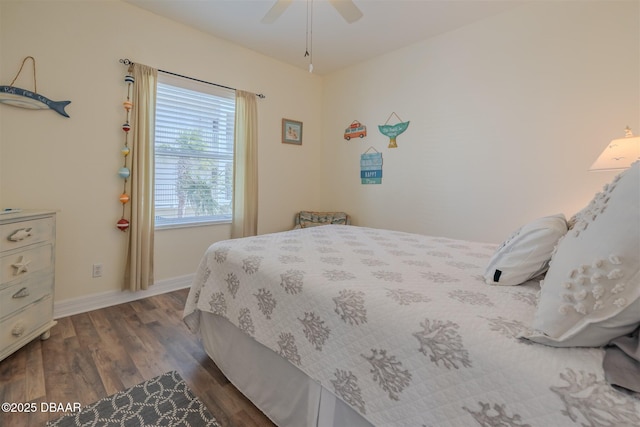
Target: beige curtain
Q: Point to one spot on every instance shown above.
(139, 269)
(245, 171)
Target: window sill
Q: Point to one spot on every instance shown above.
(192, 224)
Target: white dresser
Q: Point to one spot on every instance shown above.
(27, 254)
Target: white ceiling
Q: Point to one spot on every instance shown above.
(386, 25)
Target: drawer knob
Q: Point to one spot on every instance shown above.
(24, 292)
(20, 234)
(22, 266)
(17, 330)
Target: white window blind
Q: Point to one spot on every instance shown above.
(193, 152)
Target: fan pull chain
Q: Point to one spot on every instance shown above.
(309, 41)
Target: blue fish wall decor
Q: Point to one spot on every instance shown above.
(23, 98)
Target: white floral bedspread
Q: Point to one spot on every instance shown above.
(403, 328)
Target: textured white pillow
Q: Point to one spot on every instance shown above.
(591, 293)
(526, 253)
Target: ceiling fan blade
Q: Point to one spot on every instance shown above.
(276, 10)
(347, 9)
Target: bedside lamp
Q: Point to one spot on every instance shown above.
(619, 154)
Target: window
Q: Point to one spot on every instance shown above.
(193, 152)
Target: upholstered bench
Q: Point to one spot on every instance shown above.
(304, 219)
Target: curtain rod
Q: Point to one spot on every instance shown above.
(128, 62)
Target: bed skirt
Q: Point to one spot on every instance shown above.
(279, 389)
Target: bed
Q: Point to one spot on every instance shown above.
(352, 326)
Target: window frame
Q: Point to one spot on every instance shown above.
(210, 89)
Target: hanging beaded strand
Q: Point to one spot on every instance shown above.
(124, 172)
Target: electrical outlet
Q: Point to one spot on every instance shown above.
(97, 270)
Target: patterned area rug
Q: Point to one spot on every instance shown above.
(165, 400)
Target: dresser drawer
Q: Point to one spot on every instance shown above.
(15, 328)
(22, 264)
(25, 292)
(19, 234)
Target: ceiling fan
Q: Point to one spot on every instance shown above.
(346, 8)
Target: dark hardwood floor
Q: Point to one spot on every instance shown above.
(93, 355)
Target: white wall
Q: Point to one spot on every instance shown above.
(70, 164)
(506, 116)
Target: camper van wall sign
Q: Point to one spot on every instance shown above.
(371, 167)
(355, 130)
(23, 98)
(392, 131)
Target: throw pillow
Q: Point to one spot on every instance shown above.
(526, 253)
(591, 293)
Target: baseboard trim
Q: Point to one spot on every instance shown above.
(79, 305)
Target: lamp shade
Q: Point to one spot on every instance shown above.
(619, 154)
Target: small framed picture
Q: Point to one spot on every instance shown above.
(291, 132)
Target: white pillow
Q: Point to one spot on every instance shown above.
(526, 253)
(591, 293)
